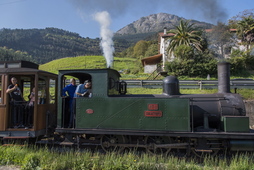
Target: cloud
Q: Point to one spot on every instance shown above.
(210, 10)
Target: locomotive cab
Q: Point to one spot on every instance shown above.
(105, 82)
(27, 118)
(109, 107)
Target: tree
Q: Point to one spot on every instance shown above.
(220, 38)
(233, 22)
(245, 30)
(184, 52)
(244, 23)
(185, 34)
(140, 49)
(152, 49)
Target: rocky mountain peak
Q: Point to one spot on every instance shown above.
(156, 23)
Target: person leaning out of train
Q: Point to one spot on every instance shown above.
(17, 101)
(83, 90)
(69, 89)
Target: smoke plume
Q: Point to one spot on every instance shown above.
(209, 10)
(106, 36)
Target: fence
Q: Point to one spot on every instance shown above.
(191, 84)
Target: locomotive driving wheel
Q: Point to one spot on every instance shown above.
(206, 147)
(109, 143)
(180, 150)
(153, 141)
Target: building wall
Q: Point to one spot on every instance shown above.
(150, 68)
(164, 43)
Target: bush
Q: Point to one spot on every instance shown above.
(31, 161)
(197, 67)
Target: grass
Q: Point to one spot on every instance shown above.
(88, 62)
(29, 158)
(96, 62)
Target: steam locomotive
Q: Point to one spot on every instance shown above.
(171, 122)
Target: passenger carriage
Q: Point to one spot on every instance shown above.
(43, 114)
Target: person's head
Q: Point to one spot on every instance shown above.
(73, 81)
(88, 85)
(13, 80)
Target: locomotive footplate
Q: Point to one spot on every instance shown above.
(17, 137)
(219, 135)
(149, 146)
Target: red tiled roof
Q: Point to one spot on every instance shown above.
(210, 30)
(151, 60)
(161, 34)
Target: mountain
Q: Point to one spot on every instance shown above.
(44, 45)
(152, 24)
(156, 23)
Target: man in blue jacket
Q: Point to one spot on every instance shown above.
(83, 90)
(70, 89)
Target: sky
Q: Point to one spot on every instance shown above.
(79, 16)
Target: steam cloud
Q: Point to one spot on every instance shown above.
(106, 36)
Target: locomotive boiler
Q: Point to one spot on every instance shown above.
(209, 111)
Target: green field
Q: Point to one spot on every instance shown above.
(93, 62)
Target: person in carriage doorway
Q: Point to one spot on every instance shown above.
(70, 89)
(17, 104)
(30, 109)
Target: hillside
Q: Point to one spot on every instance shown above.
(87, 62)
(48, 44)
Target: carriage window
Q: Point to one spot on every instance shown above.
(42, 91)
(27, 90)
(52, 91)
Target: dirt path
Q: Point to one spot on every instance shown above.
(11, 167)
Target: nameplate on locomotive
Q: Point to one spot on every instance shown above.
(89, 111)
(153, 113)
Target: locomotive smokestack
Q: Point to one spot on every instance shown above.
(171, 85)
(223, 77)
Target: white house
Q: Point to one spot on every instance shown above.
(157, 62)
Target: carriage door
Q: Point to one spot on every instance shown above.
(2, 106)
